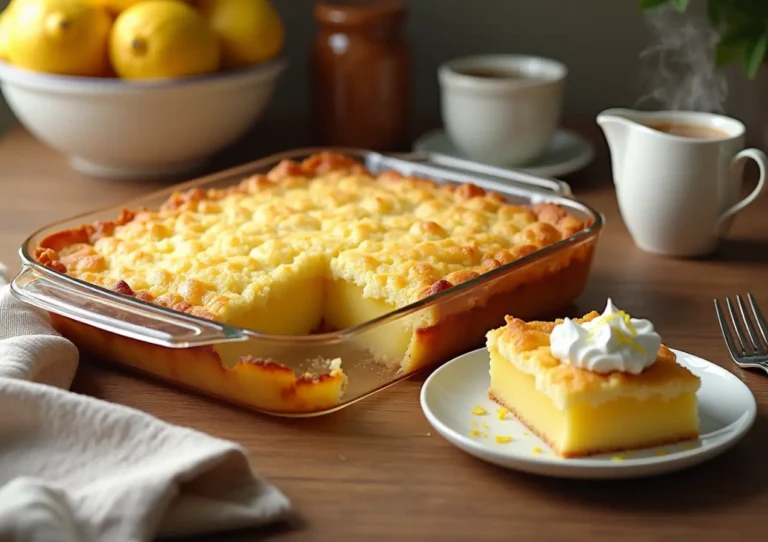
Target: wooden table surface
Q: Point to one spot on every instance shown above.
(376, 469)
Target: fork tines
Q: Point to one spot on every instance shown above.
(751, 331)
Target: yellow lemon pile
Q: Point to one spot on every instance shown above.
(139, 39)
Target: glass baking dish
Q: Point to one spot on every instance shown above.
(318, 373)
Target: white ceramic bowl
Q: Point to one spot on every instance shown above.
(131, 130)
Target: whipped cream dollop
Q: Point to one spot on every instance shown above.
(611, 342)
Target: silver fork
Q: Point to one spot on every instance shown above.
(748, 350)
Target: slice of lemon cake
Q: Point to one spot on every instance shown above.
(598, 384)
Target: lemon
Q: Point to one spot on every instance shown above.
(58, 36)
(162, 39)
(249, 31)
(5, 27)
(115, 6)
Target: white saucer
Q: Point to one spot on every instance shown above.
(727, 410)
(568, 152)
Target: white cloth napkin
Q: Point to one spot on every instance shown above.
(78, 469)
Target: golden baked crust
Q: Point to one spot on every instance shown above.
(225, 254)
(526, 345)
(217, 253)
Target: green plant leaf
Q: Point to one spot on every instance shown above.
(716, 12)
(756, 56)
(735, 12)
(728, 53)
(735, 42)
(743, 25)
(652, 4)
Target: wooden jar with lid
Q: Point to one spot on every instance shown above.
(361, 74)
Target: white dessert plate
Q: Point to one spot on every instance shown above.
(567, 152)
(727, 410)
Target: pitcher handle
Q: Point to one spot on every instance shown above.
(737, 171)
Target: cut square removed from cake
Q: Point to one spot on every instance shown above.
(592, 385)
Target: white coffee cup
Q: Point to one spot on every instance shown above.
(678, 177)
(502, 109)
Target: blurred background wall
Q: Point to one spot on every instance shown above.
(599, 40)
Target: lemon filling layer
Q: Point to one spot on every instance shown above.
(326, 305)
(346, 307)
(583, 428)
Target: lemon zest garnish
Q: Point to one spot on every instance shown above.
(621, 337)
(628, 321)
(537, 450)
(526, 433)
(627, 340)
(618, 458)
(485, 426)
(502, 413)
(484, 435)
(604, 319)
(473, 423)
(478, 411)
(503, 440)
(474, 433)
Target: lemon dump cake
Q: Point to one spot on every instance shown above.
(321, 244)
(598, 384)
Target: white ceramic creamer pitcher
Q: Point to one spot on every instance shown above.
(678, 176)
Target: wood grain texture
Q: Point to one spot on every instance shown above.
(377, 470)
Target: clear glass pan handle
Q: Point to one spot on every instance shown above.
(492, 173)
(124, 316)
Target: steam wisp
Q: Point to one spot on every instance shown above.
(680, 64)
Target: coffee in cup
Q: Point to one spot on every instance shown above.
(502, 109)
(696, 131)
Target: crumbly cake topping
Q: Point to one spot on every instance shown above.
(526, 345)
(216, 252)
